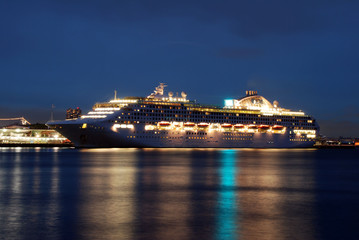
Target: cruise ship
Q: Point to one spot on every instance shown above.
(168, 120)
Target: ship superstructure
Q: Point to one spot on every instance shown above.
(161, 120)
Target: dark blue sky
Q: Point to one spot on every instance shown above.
(304, 54)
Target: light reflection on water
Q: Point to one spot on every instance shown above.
(175, 193)
(106, 195)
(277, 195)
(227, 203)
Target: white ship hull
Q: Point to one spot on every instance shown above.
(101, 136)
(175, 122)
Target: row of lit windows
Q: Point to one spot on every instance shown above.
(157, 132)
(203, 138)
(196, 133)
(196, 138)
(162, 106)
(237, 134)
(168, 117)
(238, 139)
(200, 111)
(242, 122)
(92, 126)
(158, 137)
(220, 121)
(162, 113)
(300, 140)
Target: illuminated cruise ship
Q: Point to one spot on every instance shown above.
(165, 120)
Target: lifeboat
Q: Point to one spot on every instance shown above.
(277, 127)
(252, 126)
(226, 125)
(202, 125)
(189, 124)
(164, 124)
(264, 127)
(239, 126)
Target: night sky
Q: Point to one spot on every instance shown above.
(72, 53)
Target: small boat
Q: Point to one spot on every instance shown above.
(264, 127)
(277, 127)
(164, 124)
(202, 125)
(226, 125)
(189, 124)
(252, 126)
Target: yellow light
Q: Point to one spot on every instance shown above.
(149, 127)
(107, 109)
(84, 125)
(304, 131)
(98, 112)
(122, 126)
(93, 116)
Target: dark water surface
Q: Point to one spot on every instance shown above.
(179, 194)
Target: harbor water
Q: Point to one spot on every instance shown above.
(67, 193)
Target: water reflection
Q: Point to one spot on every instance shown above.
(227, 199)
(158, 194)
(106, 195)
(163, 201)
(276, 195)
(29, 204)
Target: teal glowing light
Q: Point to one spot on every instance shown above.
(227, 201)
